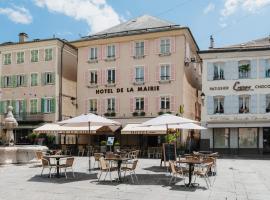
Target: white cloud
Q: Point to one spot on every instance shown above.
(97, 13)
(232, 6)
(17, 14)
(210, 7)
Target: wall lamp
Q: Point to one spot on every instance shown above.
(202, 97)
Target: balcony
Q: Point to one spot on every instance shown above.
(28, 116)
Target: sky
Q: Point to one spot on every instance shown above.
(229, 21)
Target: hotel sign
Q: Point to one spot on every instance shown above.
(128, 90)
(239, 88)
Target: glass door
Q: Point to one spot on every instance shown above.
(266, 140)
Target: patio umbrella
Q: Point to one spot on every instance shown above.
(89, 120)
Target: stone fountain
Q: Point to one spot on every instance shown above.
(11, 153)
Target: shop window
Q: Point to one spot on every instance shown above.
(244, 102)
(248, 137)
(219, 105)
(221, 137)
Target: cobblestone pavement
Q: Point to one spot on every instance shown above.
(236, 179)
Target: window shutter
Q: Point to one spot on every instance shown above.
(131, 48)
(99, 106)
(53, 105)
(87, 77)
(172, 45)
(53, 78)
(13, 103)
(157, 46)
(253, 103)
(234, 104)
(99, 78)
(172, 104)
(262, 104)
(1, 107)
(132, 75)
(158, 73)
(210, 71)
(25, 81)
(227, 104)
(14, 81)
(146, 103)
(42, 105)
(43, 80)
(41, 55)
(234, 70)
(117, 78)
(146, 74)
(131, 105)
(104, 51)
(210, 105)
(146, 47)
(262, 67)
(99, 52)
(117, 50)
(24, 106)
(117, 105)
(157, 104)
(253, 68)
(173, 73)
(2, 81)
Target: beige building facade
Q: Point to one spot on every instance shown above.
(139, 70)
(38, 78)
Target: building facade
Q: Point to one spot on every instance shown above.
(38, 78)
(236, 108)
(139, 70)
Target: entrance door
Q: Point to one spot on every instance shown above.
(266, 140)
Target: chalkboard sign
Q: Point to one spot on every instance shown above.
(169, 152)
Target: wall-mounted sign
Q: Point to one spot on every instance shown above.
(219, 88)
(238, 87)
(128, 90)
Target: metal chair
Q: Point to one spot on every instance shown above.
(131, 170)
(68, 165)
(105, 167)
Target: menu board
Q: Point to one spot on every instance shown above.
(169, 152)
(110, 141)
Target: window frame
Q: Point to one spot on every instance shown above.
(5, 58)
(166, 47)
(46, 100)
(92, 105)
(167, 72)
(141, 76)
(36, 57)
(20, 59)
(48, 55)
(139, 48)
(218, 110)
(111, 73)
(111, 105)
(110, 51)
(93, 50)
(244, 74)
(245, 110)
(167, 103)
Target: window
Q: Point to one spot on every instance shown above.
(4, 105)
(139, 74)
(244, 69)
(92, 105)
(218, 105)
(165, 46)
(110, 51)
(33, 106)
(48, 54)
(267, 69)
(20, 57)
(268, 103)
(218, 71)
(34, 55)
(20, 80)
(221, 138)
(139, 103)
(34, 79)
(139, 49)
(93, 77)
(111, 105)
(48, 105)
(165, 103)
(111, 76)
(165, 72)
(248, 137)
(49, 78)
(244, 104)
(93, 53)
(7, 59)
(19, 107)
(7, 81)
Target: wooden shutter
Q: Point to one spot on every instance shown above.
(227, 104)
(117, 105)
(131, 104)
(14, 80)
(146, 74)
(146, 103)
(131, 46)
(158, 73)
(99, 78)
(157, 46)
(262, 67)
(117, 50)
(146, 47)
(53, 77)
(262, 104)
(1, 107)
(210, 71)
(253, 68)
(42, 105)
(53, 104)
(172, 45)
(87, 77)
(253, 103)
(173, 72)
(210, 105)
(172, 103)
(25, 84)
(234, 104)
(99, 52)
(24, 106)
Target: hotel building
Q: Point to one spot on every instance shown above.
(137, 70)
(38, 78)
(236, 109)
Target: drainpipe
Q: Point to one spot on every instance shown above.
(60, 84)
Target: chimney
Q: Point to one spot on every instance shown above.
(211, 42)
(22, 37)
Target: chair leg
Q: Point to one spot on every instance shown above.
(42, 171)
(171, 179)
(131, 177)
(100, 175)
(105, 175)
(66, 172)
(136, 176)
(73, 173)
(50, 174)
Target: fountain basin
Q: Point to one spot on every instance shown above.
(20, 154)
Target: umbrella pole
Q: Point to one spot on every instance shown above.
(89, 125)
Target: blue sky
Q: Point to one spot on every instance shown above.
(230, 21)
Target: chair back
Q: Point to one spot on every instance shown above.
(80, 147)
(110, 155)
(171, 163)
(39, 155)
(69, 162)
(45, 162)
(103, 164)
(97, 156)
(64, 147)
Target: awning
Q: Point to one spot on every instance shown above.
(55, 128)
(237, 124)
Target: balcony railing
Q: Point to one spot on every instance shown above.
(26, 116)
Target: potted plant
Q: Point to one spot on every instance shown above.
(32, 137)
(160, 113)
(103, 146)
(113, 114)
(135, 114)
(142, 113)
(117, 146)
(169, 112)
(106, 114)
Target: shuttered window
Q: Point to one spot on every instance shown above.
(34, 79)
(34, 55)
(7, 59)
(48, 54)
(33, 106)
(20, 57)
(48, 105)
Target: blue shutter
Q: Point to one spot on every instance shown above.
(253, 103)
(262, 67)
(231, 70)
(235, 104)
(210, 105)
(262, 105)
(253, 68)
(210, 71)
(227, 104)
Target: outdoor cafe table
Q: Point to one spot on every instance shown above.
(57, 158)
(191, 163)
(119, 161)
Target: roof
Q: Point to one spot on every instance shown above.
(139, 25)
(36, 41)
(260, 44)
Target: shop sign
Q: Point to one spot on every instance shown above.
(128, 90)
(239, 88)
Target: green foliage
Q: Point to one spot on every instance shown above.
(135, 114)
(160, 113)
(32, 137)
(245, 67)
(103, 143)
(142, 113)
(117, 143)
